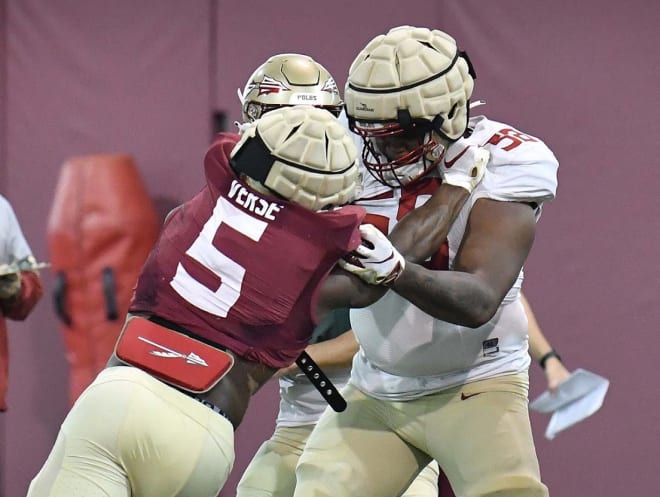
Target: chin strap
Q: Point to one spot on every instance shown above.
(241, 127)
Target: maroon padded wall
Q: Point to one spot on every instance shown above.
(584, 76)
(3, 169)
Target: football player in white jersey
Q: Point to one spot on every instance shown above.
(285, 80)
(442, 370)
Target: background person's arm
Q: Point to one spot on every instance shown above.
(336, 353)
(539, 347)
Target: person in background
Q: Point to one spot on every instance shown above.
(542, 352)
(20, 284)
(442, 369)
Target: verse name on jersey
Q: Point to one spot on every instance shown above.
(252, 202)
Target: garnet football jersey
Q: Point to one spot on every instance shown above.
(241, 269)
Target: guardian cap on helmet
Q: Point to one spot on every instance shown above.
(302, 154)
(413, 83)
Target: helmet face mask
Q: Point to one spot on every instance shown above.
(287, 80)
(409, 80)
(396, 156)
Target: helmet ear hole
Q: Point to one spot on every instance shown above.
(252, 112)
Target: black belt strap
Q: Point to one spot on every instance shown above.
(321, 382)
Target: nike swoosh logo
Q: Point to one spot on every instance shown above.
(465, 397)
(450, 163)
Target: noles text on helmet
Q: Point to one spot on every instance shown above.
(286, 80)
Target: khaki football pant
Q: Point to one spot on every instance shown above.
(272, 471)
(130, 435)
(479, 433)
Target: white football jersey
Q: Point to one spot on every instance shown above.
(13, 245)
(404, 352)
(300, 401)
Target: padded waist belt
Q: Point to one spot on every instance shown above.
(172, 357)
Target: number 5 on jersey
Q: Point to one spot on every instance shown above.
(205, 253)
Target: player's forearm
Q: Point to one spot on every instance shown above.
(538, 344)
(422, 231)
(452, 296)
(331, 354)
(335, 353)
(342, 289)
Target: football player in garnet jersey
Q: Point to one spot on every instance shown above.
(441, 373)
(229, 294)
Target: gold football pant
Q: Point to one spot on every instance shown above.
(479, 433)
(272, 471)
(130, 435)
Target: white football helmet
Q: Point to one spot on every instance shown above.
(302, 154)
(410, 85)
(285, 80)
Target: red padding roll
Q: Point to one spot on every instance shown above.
(101, 227)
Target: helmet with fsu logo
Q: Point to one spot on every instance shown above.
(300, 153)
(411, 86)
(285, 80)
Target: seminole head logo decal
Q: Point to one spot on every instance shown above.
(267, 87)
(330, 86)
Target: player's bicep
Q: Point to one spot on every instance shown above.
(498, 238)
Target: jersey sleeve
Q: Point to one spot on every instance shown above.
(534, 181)
(14, 246)
(345, 221)
(521, 168)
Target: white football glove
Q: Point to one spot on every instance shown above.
(375, 261)
(464, 164)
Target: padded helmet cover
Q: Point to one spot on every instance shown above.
(414, 69)
(303, 154)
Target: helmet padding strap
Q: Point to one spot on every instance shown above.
(253, 159)
(466, 58)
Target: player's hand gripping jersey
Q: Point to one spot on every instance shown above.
(258, 302)
(404, 351)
